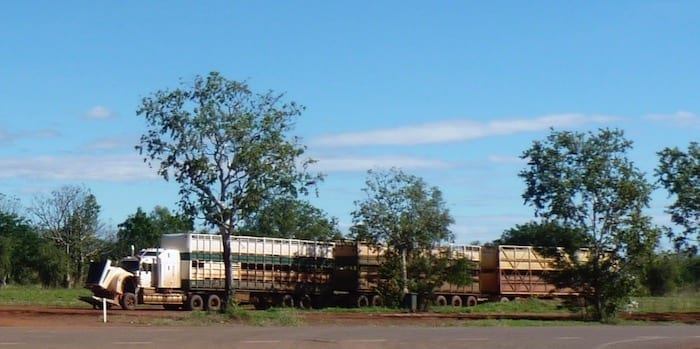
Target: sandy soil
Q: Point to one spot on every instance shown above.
(28, 316)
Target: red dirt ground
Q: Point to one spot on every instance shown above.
(29, 316)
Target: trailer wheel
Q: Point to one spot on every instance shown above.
(456, 301)
(472, 301)
(362, 301)
(288, 301)
(128, 301)
(261, 304)
(213, 303)
(377, 301)
(441, 301)
(505, 299)
(195, 302)
(304, 301)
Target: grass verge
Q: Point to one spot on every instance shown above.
(38, 296)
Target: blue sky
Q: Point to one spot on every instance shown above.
(451, 91)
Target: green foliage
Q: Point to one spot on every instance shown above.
(679, 173)
(227, 147)
(291, 218)
(402, 213)
(690, 274)
(390, 285)
(662, 275)
(545, 235)
(15, 239)
(51, 264)
(26, 257)
(69, 218)
(586, 183)
(427, 271)
(671, 273)
(143, 230)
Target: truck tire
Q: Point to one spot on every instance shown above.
(195, 302)
(128, 301)
(377, 301)
(262, 304)
(362, 301)
(213, 303)
(304, 301)
(456, 301)
(441, 301)
(288, 301)
(472, 301)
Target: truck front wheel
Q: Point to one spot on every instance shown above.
(128, 301)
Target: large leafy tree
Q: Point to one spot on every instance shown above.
(69, 217)
(585, 182)
(679, 173)
(227, 147)
(292, 218)
(26, 257)
(143, 230)
(544, 235)
(404, 214)
(13, 233)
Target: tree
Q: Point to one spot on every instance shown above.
(9, 205)
(679, 173)
(69, 218)
(227, 147)
(24, 256)
(143, 230)
(12, 231)
(544, 235)
(585, 182)
(411, 219)
(292, 218)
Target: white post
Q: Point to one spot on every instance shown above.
(104, 310)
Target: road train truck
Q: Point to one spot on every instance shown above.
(187, 271)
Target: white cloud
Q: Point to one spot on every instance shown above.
(364, 163)
(99, 113)
(111, 143)
(6, 137)
(506, 160)
(100, 168)
(680, 119)
(456, 131)
(47, 133)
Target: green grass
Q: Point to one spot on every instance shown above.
(35, 295)
(523, 323)
(677, 304)
(50, 297)
(532, 305)
(275, 317)
(368, 310)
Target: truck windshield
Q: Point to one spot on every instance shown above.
(130, 265)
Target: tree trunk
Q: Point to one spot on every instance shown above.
(67, 279)
(404, 274)
(228, 284)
